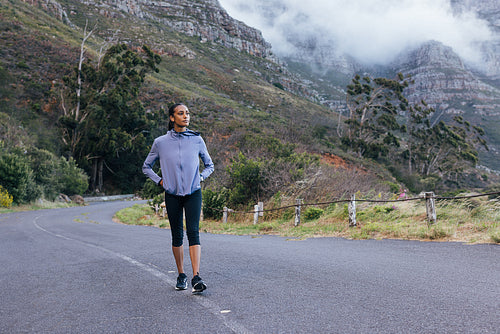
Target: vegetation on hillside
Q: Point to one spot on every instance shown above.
(267, 144)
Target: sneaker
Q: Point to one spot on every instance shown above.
(198, 284)
(182, 282)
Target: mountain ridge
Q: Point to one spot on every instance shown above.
(235, 94)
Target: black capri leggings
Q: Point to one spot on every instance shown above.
(192, 207)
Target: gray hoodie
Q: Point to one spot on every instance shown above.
(179, 154)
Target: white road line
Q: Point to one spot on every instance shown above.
(206, 303)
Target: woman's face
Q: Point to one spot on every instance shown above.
(180, 118)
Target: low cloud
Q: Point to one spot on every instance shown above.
(373, 32)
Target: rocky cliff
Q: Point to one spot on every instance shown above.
(443, 81)
(205, 19)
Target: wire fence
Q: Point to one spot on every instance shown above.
(429, 198)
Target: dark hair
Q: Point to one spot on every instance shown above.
(171, 113)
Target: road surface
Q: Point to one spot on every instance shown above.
(74, 270)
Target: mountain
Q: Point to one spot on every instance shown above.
(442, 78)
(243, 96)
(237, 93)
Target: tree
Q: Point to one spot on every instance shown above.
(417, 124)
(381, 118)
(73, 116)
(114, 119)
(446, 148)
(373, 106)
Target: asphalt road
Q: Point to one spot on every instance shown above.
(74, 270)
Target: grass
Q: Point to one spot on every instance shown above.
(39, 205)
(466, 221)
(469, 221)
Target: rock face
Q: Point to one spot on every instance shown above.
(204, 19)
(443, 81)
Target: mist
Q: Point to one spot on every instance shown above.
(373, 32)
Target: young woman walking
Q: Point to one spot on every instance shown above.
(179, 152)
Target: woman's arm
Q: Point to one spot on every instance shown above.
(147, 166)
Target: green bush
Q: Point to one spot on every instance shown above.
(312, 213)
(151, 189)
(5, 198)
(214, 202)
(247, 180)
(73, 179)
(15, 174)
(45, 172)
(37, 173)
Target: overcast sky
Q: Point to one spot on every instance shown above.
(371, 31)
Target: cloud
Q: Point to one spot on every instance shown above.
(372, 32)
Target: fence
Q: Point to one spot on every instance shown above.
(429, 197)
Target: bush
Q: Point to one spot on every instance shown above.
(45, 172)
(247, 180)
(151, 189)
(214, 202)
(28, 176)
(15, 174)
(73, 179)
(5, 198)
(312, 213)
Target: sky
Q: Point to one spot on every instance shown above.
(371, 31)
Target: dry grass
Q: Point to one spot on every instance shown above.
(466, 221)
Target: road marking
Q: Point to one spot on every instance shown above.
(206, 303)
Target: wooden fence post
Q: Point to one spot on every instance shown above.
(261, 209)
(298, 201)
(255, 214)
(430, 207)
(224, 215)
(352, 211)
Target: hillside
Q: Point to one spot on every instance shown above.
(242, 98)
(447, 81)
(231, 93)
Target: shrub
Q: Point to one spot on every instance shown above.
(5, 198)
(15, 175)
(214, 202)
(247, 180)
(312, 213)
(73, 179)
(151, 189)
(45, 172)
(278, 85)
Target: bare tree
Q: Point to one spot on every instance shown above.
(74, 115)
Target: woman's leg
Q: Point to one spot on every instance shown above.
(174, 212)
(195, 255)
(193, 210)
(179, 258)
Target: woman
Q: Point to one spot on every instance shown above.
(179, 152)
